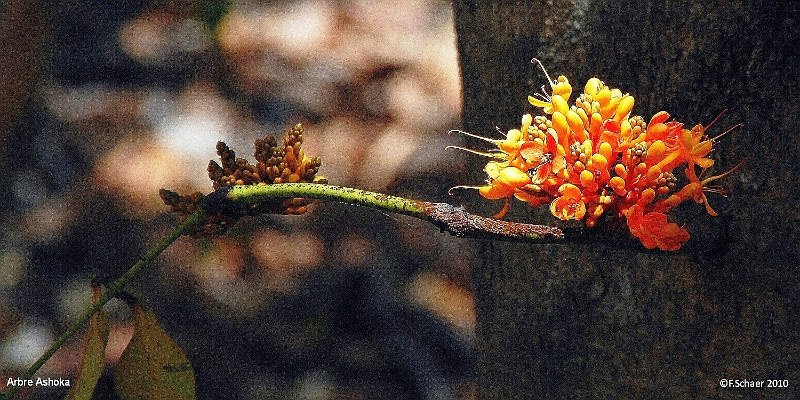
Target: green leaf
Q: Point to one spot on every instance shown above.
(153, 366)
(93, 355)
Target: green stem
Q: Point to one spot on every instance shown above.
(253, 194)
(112, 290)
(447, 217)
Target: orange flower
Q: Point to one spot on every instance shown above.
(504, 181)
(569, 205)
(695, 190)
(653, 230)
(557, 101)
(659, 129)
(693, 148)
(531, 196)
(591, 157)
(610, 133)
(542, 158)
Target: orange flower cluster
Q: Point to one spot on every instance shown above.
(592, 157)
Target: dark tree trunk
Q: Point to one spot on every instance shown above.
(609, 320)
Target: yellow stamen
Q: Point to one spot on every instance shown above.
(495, 141)
(497, 156)
(549, 80)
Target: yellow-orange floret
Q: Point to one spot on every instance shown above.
(569, 205)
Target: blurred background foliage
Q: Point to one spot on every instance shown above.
(104, 103)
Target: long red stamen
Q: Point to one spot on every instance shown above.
(722, 175)
(718, 190)
(721, 113)
(739, 125)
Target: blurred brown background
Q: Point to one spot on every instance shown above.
(103, 103)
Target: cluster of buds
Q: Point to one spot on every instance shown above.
(285, 163)
(275, 163)
(591, 158)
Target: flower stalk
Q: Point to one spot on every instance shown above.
(454, 220)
